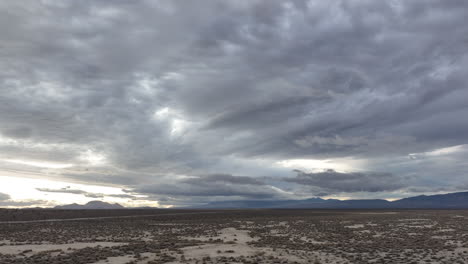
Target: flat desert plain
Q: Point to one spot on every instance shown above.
(233, 236)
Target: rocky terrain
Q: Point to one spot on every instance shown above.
(234, 236)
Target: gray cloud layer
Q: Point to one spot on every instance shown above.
(85, 193)
(5, 200)
(161, 88)
(332, 181)
(4, 196)
(204, 187)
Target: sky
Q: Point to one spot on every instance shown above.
(180, 103)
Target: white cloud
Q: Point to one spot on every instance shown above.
(40, 164)
(92, 158)
(314, 165)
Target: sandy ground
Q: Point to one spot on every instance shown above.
(236, 244)
(128, 258)
(252, 237)
(35, 248)
(233, 240)
(97, 218)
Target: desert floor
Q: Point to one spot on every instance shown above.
(233, 236)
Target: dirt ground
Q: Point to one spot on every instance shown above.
(234, 236)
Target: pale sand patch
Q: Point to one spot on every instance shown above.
(301, 256)
(167, 224)
(379, 213)
(442, 237)
(227, 234)
(276, 232)
(312, 241)
(445, 230)
(147, 236)
(421, 226)
(365, 231)
(378, 234)
(211, 250)
(461, 250)
(46, 247)
(355, 226)
(116, 260)
(242, 248)
(5, 241)
(238, 248)
(146, 257)
(245, 222)
(450, 254)
(413, 219)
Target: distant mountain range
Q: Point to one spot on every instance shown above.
(457, 200)
(91, 205)
(440, 201)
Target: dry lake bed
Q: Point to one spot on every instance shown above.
(233, 236)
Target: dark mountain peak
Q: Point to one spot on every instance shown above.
(91, 205)
(450, 200)
(315, 199)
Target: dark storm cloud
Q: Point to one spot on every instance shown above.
(257, 116)
(27, 203)
(332, 181)
(5, 200)
(222, 185)
(63, 190)
(196, 88)
(223, 178)
(380, 89)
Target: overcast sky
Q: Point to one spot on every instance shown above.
(184, 102)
